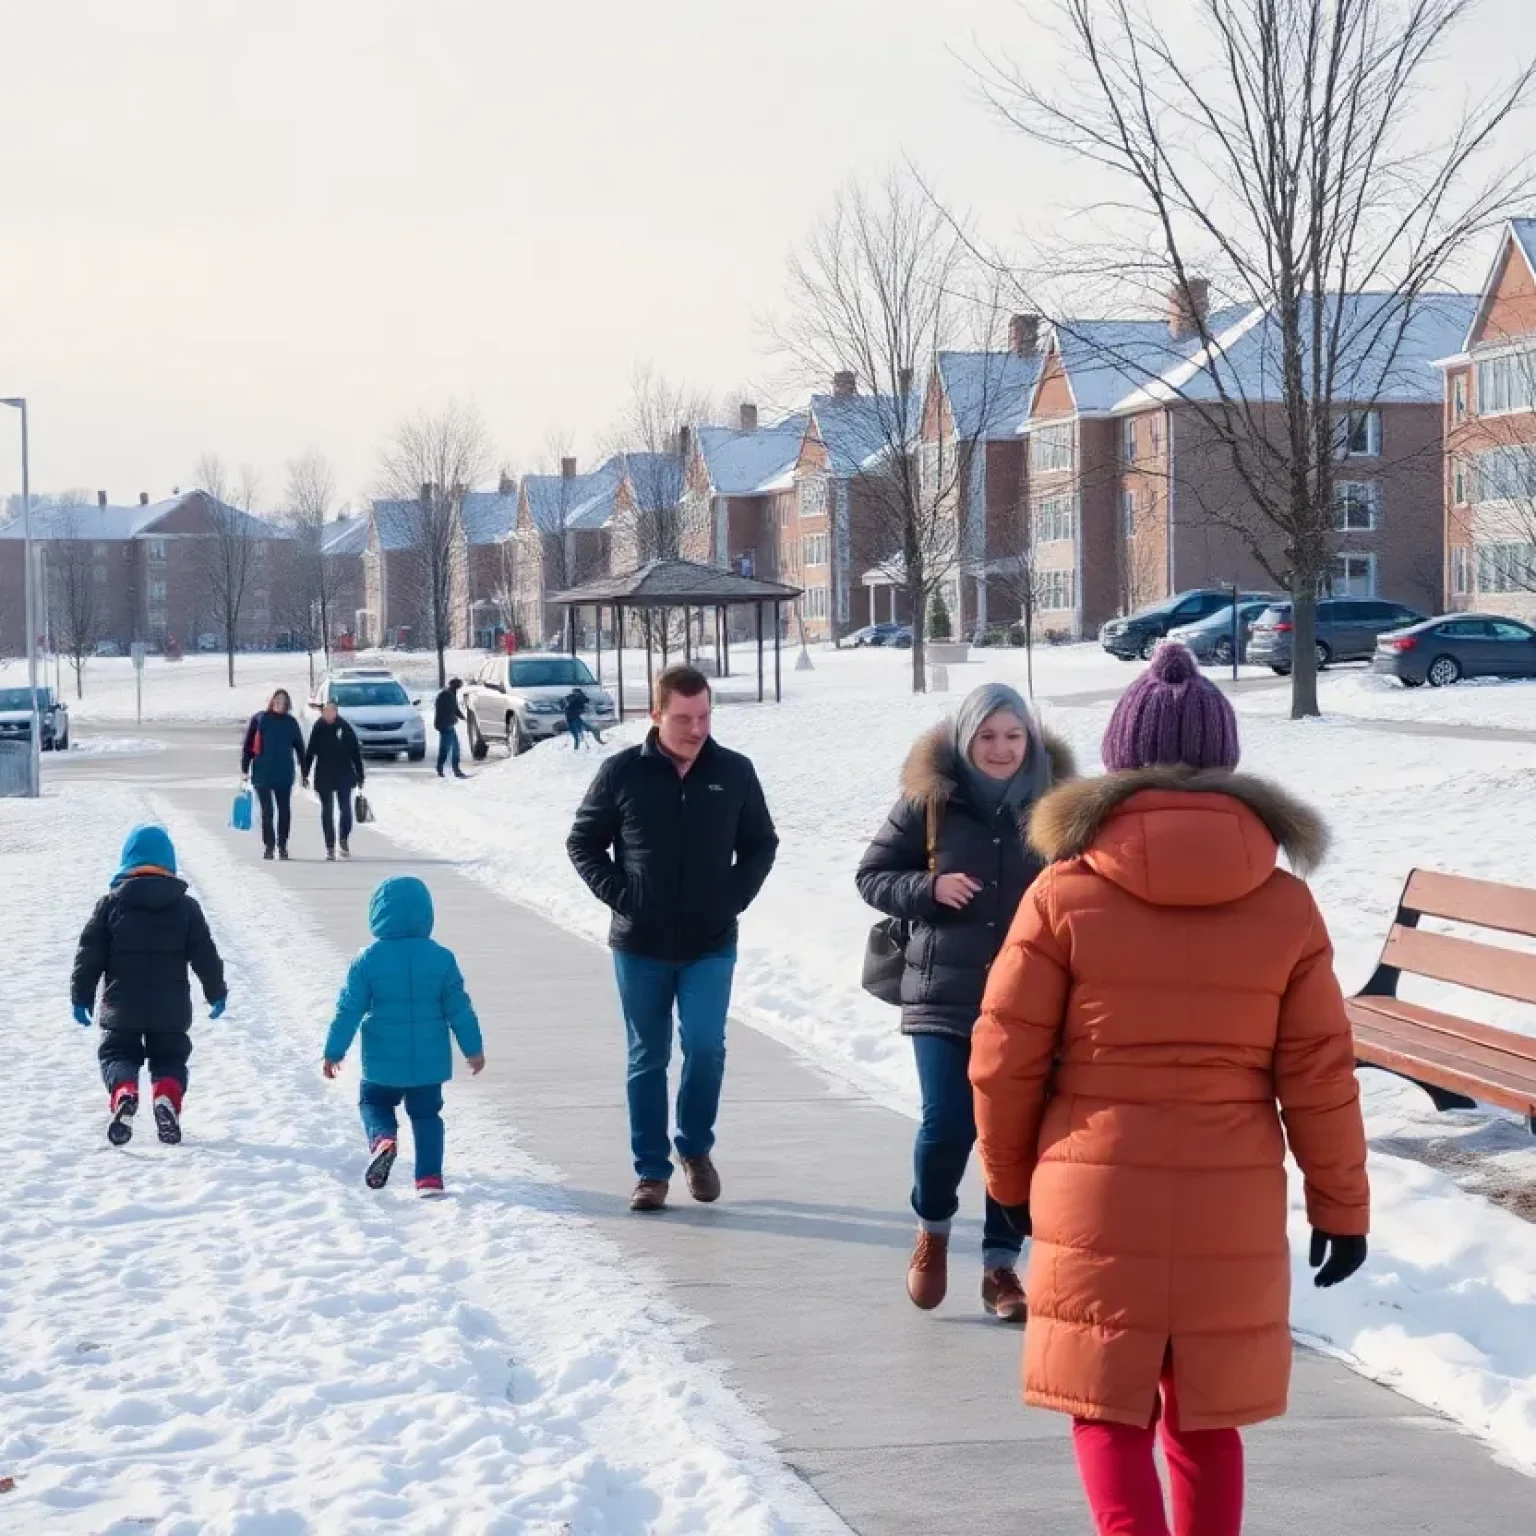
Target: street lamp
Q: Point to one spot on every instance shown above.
(35, 766)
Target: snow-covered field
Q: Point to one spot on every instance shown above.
(234, 1336)
(1447, 1309)
(1358, 694)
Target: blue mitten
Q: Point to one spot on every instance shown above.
(82, 1016)
(216, 1010)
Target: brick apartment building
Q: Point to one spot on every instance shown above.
(343, 544)
(562, 536)
(1489, 415)
(147, 566)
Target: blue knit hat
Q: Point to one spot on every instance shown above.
(147, 846)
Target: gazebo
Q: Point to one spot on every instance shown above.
(664, 586)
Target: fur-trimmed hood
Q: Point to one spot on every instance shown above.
(1072, 821)
(932, 771)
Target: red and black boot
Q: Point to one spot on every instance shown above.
(125, 1105)
(168, 1110)
(385, 1150)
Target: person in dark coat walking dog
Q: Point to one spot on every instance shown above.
(446, 716)
(271, 757)
(138, 945)
(953, 862)
(334, 761)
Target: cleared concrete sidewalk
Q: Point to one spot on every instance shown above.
(903, 1423)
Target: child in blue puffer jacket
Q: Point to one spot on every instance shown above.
(406, 995)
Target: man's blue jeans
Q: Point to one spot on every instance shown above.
(701, 993)
(448, 749)
(424, 1106)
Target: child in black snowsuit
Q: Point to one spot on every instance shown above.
(576, 718)
(144, 934)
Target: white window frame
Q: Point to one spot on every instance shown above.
(1349, 498)
(1053, 447)
(1057, 589)
(1458, 482)
(1459, 397)
(1506, 383)
(1127, 514)
(1347, 426)
(1155, 433)
(1461, 570)
(1517, 483)
(157, 551)
(1506, 567)
(1055, 519)
(1348, 588)
(1128, 439)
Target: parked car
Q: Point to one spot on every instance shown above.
(1456, 645)
(1210, 638)
(1135, 637)
(1347, 630)
(873, 634)
(208, 642)
(16, 718)
(108, 648)
(373, 701)
(901, 638)
(520, 700)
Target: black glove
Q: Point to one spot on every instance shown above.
(1018, 1219)
(1344, 1256)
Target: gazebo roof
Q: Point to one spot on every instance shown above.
(675, 584)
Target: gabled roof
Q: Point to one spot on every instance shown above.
(345, 536)
(857, 430)
(1387, 352)
(488, 516)
(989, 393)
(677, 583)
(750, 463)
(562, 503)
(1519, 236)
(656, 480)
(395, 524)
(92, 523)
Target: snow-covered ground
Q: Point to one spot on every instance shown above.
(1358, 694)
(234, 1336)
(1447, 1309)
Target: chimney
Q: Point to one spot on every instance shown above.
(845, 384)
(101, 498)
(748, 417)
(684, 443)
(1024, 335)
(567, 469)
(904, 381)
(143, 498)
(505, 486)
(1187, 310)
(426, 493)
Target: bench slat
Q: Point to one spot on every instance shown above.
(1500, 1068)
(1483, 903)
(1445, 1070)
(1522, 1048)
(1482, 967)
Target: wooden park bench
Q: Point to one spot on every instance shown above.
(1458, 1063)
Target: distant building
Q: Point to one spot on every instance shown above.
(562, 537)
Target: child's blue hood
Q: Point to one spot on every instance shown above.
(147, 847)
(401, 908)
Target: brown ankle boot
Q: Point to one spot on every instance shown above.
(1003, 1296)
(703, 1179)
(650, 1195)
(928, 1273)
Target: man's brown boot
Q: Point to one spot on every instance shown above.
(703, 1179)
(650, 1195)
(1003, 1296)
(928, 1273)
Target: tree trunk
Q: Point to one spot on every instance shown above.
(1304, 648)
(229, 656)
(919, 647)
(79, 665)
(442, 668)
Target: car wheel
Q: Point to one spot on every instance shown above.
(1281, 671)
(1324, 655)
(1222, 651)
(1148, 646)
(61, 743)
(1411, 682)
(478, 745)
(1443, 671)
(417, 754)
(517, 743)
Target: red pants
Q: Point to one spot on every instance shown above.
(1205, 1475)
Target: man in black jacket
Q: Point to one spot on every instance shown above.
(446, 715)
(139, 942)
(675, 836)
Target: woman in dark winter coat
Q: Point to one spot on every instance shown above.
(953, 862)
(270, 758)
(334, 761)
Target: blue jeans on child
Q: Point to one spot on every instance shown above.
(423, 1106)
(701, 992)
(945, 1136)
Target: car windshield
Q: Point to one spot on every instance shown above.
(550, 672)
(21, 698)
(366, 695)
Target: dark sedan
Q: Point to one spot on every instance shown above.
(1445, 650)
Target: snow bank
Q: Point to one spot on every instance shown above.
(1361, 695)
(233, 1335)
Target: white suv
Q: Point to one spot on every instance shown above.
(520, 700)
(373, 701)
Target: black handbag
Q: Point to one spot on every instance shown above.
(885, 950)
(362, 812)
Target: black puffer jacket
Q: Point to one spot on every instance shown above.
(677, 857)
(333, 760)
(949, 952)
(142, 937)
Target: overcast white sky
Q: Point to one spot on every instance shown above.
(245, 226)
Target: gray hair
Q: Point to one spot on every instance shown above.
(980, 704)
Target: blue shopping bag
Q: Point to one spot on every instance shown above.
(240, 811)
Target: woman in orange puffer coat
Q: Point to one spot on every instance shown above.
(1165, 1002)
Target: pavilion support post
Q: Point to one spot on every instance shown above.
(759, 607)
(725, 639)
(719, 660)
(618, 630)
(778, 670)
(597, 628)
(688, 635)
(650, 674)
(666, 636)
(570, 627)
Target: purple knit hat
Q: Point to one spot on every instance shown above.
(1173, 715)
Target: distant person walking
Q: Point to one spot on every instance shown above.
(446, 716)
(1165, 1004)
(674, 835)
(953, 862)
(576, 722)
(333, 760)
(271, 758)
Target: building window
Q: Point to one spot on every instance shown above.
(1155, 433)
(1459, 397)
(1506, 383)
(101, 551)
(816, 602)
(1053, 447)
(1506, 567)
(157, 551)
(1128, 432)
(1055, 519)
(1359, 435)
(1057, 590)
(1128, 514)
(1458, 483)
(157, 591)
(814, 547)
(931, 469)
(1461, 570)
(100, 574)
(1354, 576)
(813, 498)
(1507, 473)
(1356, 504)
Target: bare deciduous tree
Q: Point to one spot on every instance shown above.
(307, 600)
(77, 609)
(232, 553)
(648, 438)
(881, 286)
(426, 465)
(1279, 147)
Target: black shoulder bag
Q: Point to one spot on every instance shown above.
(885, 951)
